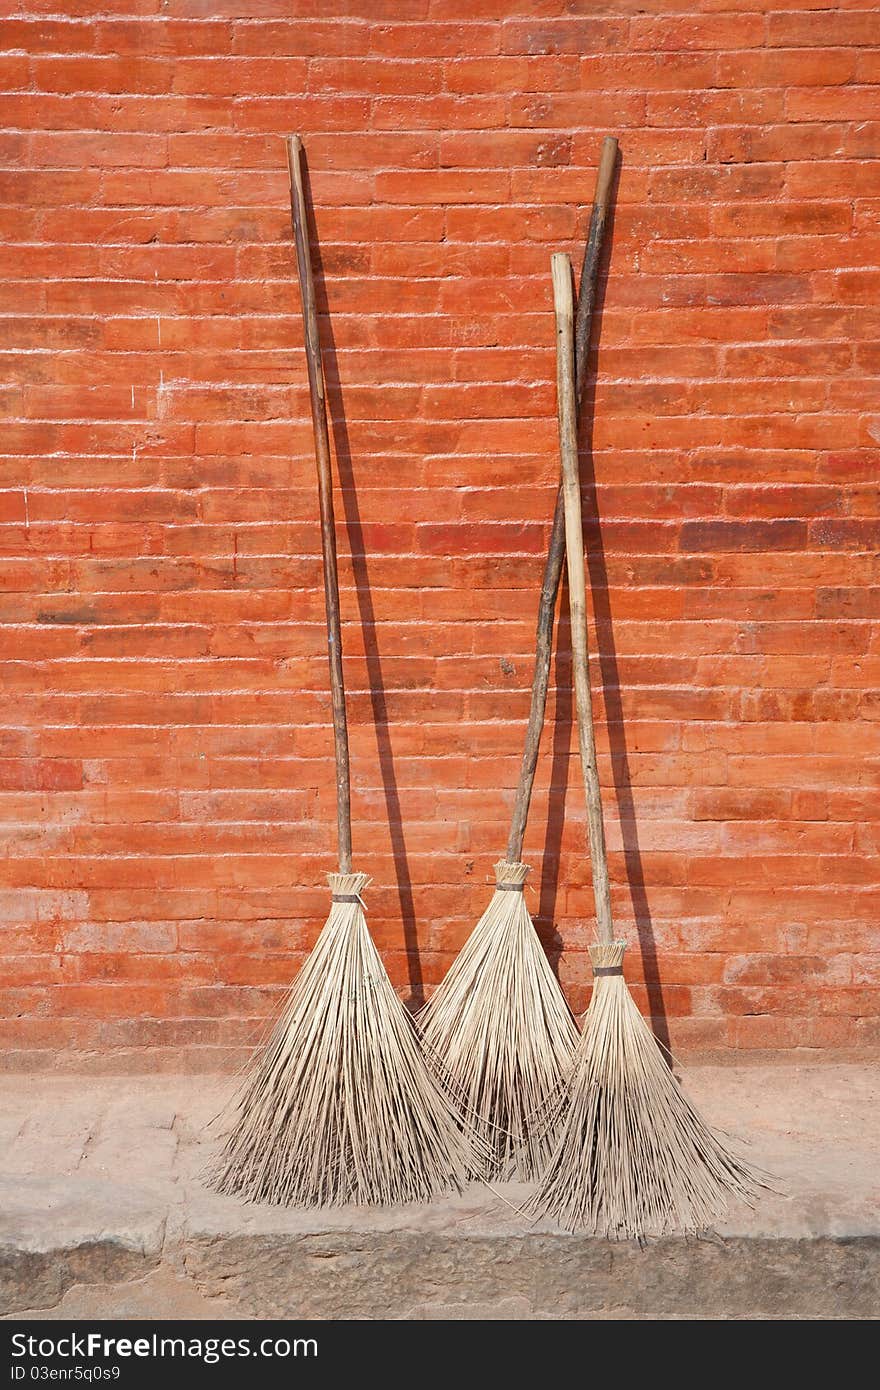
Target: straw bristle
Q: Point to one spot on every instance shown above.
(500, 1033)
(632, 1157)
(339, 1106)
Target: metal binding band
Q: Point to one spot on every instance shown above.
(345, 898)
(510, 887)
(607, 969)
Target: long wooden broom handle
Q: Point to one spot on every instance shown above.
(577, 584)
(317, 397)
(556, 549)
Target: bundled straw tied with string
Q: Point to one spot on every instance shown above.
(339, 1105)
(498, 1026)
(631, 1156)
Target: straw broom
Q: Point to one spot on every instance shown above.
(498, 1027)
(339, 1106)
(631, 1155)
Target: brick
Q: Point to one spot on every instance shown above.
(737, 535)
(512, 74)
(812, 30)
(59, 149)
(746, 144)
(713, 108)
(828, 103)
(649, 71)
(161, 620)
(564, 36)
(449, 186)
(760, 220)
(721, 183)
(858, 533)
(816, 178)
(413, 40)
(102, 74)
(225, 77)
(711, 32)
(565, 110)
(781, 68)
(37, 35)
(439, 111)
(294, 38)
(372, 76)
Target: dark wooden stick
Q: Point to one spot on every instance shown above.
(566, 400)
(317, 397)
(592, 257)
(556, 548)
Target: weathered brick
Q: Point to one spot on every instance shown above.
(167, 791)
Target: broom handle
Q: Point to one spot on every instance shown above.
(577, 585)
(317, 397)
(556, 549)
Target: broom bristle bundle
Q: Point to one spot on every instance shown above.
(340, 1106)
(499, 1032)
(632, 1157)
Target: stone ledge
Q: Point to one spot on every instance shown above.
(104, 1214)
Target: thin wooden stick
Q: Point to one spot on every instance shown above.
(556, 548)
(577, 585)
(592, 256)
(318, 400)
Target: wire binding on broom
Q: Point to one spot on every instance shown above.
(339, 1106)
(499, 1031)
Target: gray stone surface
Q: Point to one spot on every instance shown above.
(104, 1213)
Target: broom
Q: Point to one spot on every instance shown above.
(498, 1028)
(340, 1106)
(631, 1154)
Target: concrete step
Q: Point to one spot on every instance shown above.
(105, 1214)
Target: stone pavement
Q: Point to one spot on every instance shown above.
(103, 1214)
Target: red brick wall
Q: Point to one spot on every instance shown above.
(166, 779)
